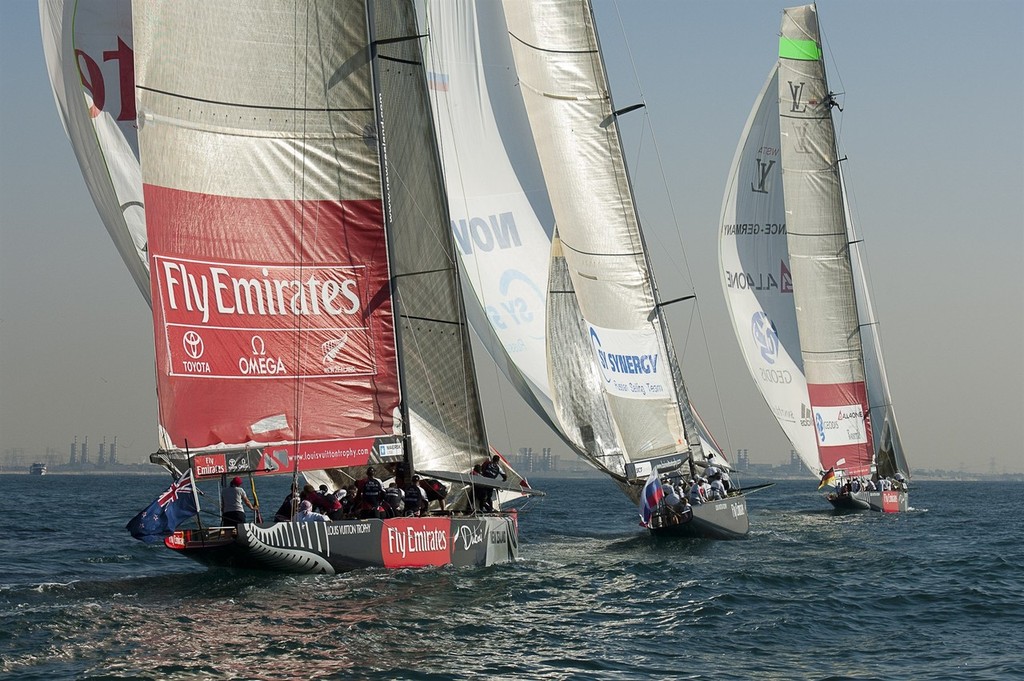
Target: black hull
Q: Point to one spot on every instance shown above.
(344, 545)
(881, 502)
(722, 519)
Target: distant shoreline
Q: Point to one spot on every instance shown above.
(153, 469)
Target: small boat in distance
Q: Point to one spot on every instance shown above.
(794, 279)
(37, 469)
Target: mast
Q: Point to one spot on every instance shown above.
(682, 401)
(378, 108)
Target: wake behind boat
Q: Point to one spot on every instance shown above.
(794, 279)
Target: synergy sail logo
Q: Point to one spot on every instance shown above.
(765, 337)
(519, 312)
(489, 242)
(630, 362)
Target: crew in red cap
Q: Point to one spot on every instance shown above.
(232, 498)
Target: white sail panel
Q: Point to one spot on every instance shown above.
(567, 97)
(88, 48)
(754, 264)
(819, 250)
(500, 214)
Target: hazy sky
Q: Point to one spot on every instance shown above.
(933, 128)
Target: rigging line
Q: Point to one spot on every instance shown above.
(448, 251)
(399, 181)
(842, 86)
(419, 355)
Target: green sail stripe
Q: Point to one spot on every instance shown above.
(807, 50)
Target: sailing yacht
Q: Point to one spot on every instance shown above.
(615, 386)
(307, 308)
(794, 280)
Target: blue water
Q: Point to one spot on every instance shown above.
(936, 593)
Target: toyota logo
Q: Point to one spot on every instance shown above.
(193, 344)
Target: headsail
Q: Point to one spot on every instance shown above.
(500, 214)
(88, 47)
(754, 264)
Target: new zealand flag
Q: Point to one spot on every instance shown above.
(170, 509)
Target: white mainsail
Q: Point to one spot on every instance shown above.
(614, 380)
(88, 49)
(826, 304)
